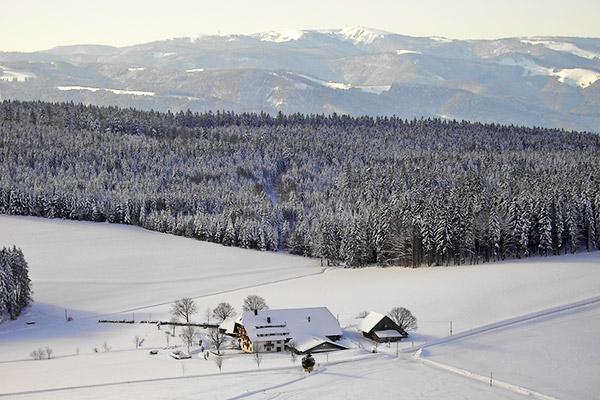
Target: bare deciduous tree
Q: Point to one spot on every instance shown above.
(404, 318)
(208, 314)
(362, 315)
(219, 361)
(106, 347)
(137, 340)
(38, 354)
(49, 352)
(257, 359)
(184, 308)
(188, 335)
(254, 302)
(173, 322)
(223, 311)
(216, 339)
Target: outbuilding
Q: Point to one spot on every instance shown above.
(227, 327)
(381, 328)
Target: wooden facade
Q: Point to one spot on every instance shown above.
(267, 345)
(304, 330)
(385, 324)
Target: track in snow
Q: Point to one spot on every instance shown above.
(505, 323)
(488, 328)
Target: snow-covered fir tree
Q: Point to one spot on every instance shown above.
(15, 285)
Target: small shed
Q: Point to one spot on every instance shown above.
(227, 327)
(381, 328)
(314, 345)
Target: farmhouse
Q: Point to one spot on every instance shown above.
(302, 329)
(381, 328)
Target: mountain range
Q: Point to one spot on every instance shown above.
(534, 81)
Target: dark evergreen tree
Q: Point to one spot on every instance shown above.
(15, 285)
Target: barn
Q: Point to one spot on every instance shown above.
(381, 328)
(303, 330)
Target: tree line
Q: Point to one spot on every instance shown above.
(15, 285)
(350, 190)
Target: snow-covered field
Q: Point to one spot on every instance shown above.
(94, 270)
(545, 353)
(571, 76)
(104, 268)
(8, 75)
(115, 91)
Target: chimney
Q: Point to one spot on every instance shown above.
(255, 312)
(268, 320)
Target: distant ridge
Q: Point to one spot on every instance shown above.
(534, 81)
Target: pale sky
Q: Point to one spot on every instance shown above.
(29, 25)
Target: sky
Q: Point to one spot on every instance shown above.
(30, 25)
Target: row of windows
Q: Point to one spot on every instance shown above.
(270, 326)
(273, 334)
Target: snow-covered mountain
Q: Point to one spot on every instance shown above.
(542, 81)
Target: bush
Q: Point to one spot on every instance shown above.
(362, 315)
(38, 354)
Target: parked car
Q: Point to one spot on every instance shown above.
(179, 355)
(153, 352)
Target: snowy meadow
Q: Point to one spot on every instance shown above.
(532, 323)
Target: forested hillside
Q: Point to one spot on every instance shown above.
(353, 190)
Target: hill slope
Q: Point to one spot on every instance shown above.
(470, 296)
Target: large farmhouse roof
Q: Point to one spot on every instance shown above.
(296, 324)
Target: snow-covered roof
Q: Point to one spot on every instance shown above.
(228, 325)
(310, 343)
(370, 321)
(388, 334)
(297, 324)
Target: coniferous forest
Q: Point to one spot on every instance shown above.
(348, 190)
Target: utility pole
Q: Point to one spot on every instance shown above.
(450, 328)
(490, 379)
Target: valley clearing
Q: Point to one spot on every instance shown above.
(532, 323)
